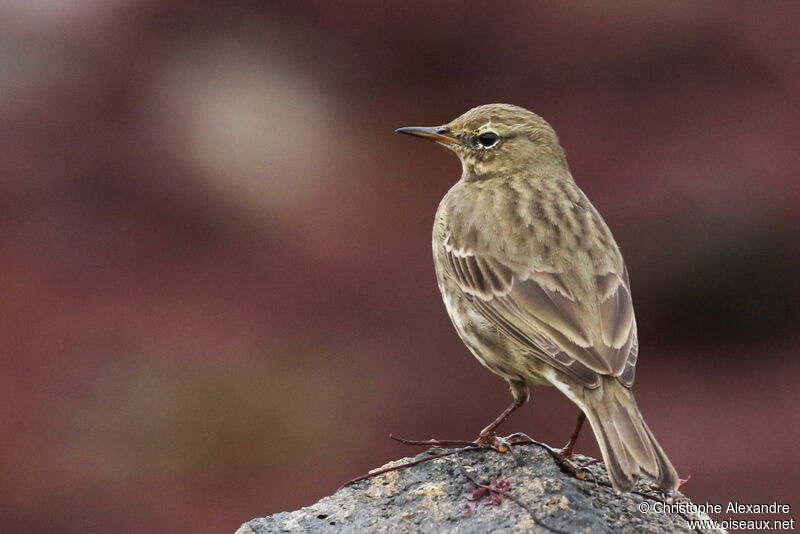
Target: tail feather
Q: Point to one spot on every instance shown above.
(629, 448)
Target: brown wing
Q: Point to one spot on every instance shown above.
(581, 324)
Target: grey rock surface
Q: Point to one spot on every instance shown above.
(435, 497)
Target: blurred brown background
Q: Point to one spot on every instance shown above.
(216, 289)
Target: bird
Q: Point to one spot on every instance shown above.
(535, 284)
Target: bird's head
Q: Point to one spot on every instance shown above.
(496, 139)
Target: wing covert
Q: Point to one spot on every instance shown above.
(583, 326)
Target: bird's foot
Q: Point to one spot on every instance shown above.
(565, 458)
(484, 441)
(442, 443)
(494, 442)
(567, 452)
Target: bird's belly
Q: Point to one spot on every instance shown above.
(496, 351)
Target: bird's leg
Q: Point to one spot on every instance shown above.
(492, 427)
(569, 448)
(488, 436)
(564, 456)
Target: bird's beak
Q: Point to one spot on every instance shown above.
(438, 133)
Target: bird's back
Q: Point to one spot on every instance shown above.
(540, 233)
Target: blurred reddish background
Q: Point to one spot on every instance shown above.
(217, 292)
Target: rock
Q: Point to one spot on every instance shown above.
(436, 496)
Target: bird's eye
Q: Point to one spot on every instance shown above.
(488, 139)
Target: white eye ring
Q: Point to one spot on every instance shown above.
(488, 139)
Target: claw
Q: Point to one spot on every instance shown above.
(563, 460)
(494, 442)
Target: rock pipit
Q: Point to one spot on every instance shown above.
(535, 283)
